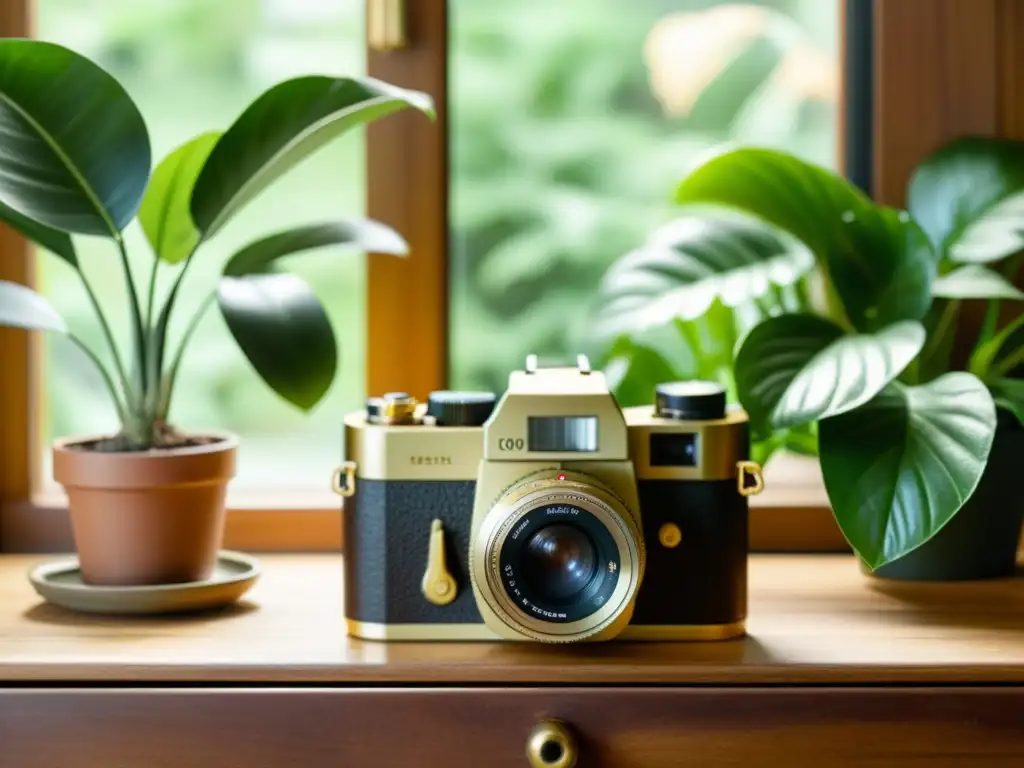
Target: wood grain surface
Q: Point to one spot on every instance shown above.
(813, 619)
(625, 728)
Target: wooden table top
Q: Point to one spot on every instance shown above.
(813, 619)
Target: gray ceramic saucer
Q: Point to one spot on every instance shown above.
(60, 582)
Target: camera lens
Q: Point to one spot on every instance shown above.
(559, 562)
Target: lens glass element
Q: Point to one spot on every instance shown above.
(559, 562)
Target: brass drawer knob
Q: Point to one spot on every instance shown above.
(551, 745)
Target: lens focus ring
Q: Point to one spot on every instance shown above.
(578, 531)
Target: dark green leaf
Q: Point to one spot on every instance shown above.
(900, 466)
(21, 307)
(284, 331)
(793, 369)
(878, 260)
(164, 215)
(76, 152)
(975, 281)
(998, 356)
(369, 236)
(282, 127)
(692, 261)
(1009, 395)
(968, 197)
(56, 242)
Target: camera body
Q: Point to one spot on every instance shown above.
(552, 515)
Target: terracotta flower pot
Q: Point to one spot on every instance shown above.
(154, 517)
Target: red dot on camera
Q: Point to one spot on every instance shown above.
(561, 477)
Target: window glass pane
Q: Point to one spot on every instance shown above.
(571, 124)
(192, 66)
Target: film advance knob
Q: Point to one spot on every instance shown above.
(690, 400)
(460, 409)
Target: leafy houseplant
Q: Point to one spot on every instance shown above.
(677, 306)
(915, 454)
(75, 159)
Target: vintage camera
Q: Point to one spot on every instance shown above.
(553, 515)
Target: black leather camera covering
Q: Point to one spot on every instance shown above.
(387, 537)
(703, 580)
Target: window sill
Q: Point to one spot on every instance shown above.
(813, 619)
(791, 515)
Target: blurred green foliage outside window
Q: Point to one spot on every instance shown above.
(571, 122)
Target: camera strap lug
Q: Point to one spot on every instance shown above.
(343, 481)
(439, 585)
(751, 470)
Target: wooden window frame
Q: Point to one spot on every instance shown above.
(941, 68)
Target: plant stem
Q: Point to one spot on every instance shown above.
(159, 341)
(834, 309)
(129, 392)
(988, 325)
(121, 411)
(152, 295)
(139, 335)
(167, 384)
(1009, 363)
(768, 303)
(805, 302)
(690, 337)
(943, 327)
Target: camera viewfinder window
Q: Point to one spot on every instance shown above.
(673, 450)
(562, 434)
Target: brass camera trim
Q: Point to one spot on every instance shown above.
(719, 443)
(540, 490)
(479, 632)
(555, 393)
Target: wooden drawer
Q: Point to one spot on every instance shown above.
(623, 727)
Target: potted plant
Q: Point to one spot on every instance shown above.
(677, 306)
(917, 452)
(147, 503)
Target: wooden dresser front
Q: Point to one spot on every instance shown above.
(838, 669)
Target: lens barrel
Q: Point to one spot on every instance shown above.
(558, 558)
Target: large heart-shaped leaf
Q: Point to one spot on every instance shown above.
(367, 235)
(879, 261)
(164, 214)
(969, 197)
(21, 307)
(899, 467)
(76, 153)
(56, 242)
(282, 127)
(794, 369)
(975, 281)
(282, 328)
(695, 259)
